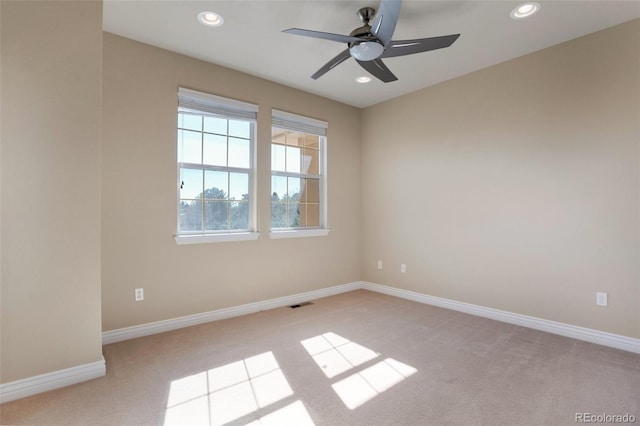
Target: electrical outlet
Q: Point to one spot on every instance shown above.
(601, 299)
(139, 293)
(403, 268)
(379, 264)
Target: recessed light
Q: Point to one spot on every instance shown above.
(363, 79)
(525, 10)
(210, 19)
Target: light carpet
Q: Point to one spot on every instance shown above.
(358, 358)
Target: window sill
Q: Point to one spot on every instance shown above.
(299, 233)
(216, 238)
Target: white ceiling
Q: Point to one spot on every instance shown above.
(251, 39)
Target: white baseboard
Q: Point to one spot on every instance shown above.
(586, 334)
(57, 379)
(581, 333)
(136, 331)
(50, 381)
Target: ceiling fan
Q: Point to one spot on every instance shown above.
(370, 43)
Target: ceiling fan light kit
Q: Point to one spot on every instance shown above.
(366, 50)
(370, 43)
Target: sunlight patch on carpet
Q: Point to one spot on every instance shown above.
(335, 355)
(294, 414)
(360, 387)
(229, 392)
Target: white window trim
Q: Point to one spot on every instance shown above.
(216, 238)
(298, 233)
(286, 120)
(217, 105)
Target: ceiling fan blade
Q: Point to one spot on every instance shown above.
(409, 47)
(319, 34)
(342, 56)
(384, 22)
(378, 69)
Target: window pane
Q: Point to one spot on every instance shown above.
(215, 125)
(241, 129)
(295, 139)
(278, 135)
(311, 161)
(293, 212)
(278, 188)
(293, 159)
(277, 158)
(240, 215)
(215, 216)
(295, 197)
(215, 150)
(278, 215)
(313, 214)
(238, 186)
(191, 183)
(309, 215)
(239, 153)
(190, 121)
(215, 153)
(189, 147)
(293, 188)
(190, 216)
(312, 141)
(311, 193)
(216, 185)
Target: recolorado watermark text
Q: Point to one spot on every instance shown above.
(605, 418)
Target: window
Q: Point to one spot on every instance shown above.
(216, 197)
(298, 176)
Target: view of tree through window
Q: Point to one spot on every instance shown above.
(216, 142)
(214, 157)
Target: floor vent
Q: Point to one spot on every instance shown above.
(300, 305)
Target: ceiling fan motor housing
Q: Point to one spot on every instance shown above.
(370, 47)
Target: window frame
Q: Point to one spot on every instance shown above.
(298, 123)
(204, 104)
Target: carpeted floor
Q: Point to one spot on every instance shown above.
(358, 358)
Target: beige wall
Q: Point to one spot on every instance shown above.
(50, 130)
(522, 197)
(515, 187)
(139, 195)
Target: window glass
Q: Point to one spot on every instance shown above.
(240, 129)
(293, 159)
(238, 186)
(216, 184)
(190, 122)
(189, 147)
(239, 153)
(297, 179)
(214, 150)
(191, 184)
(278, 157)
(215, 125)
(214, 153)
